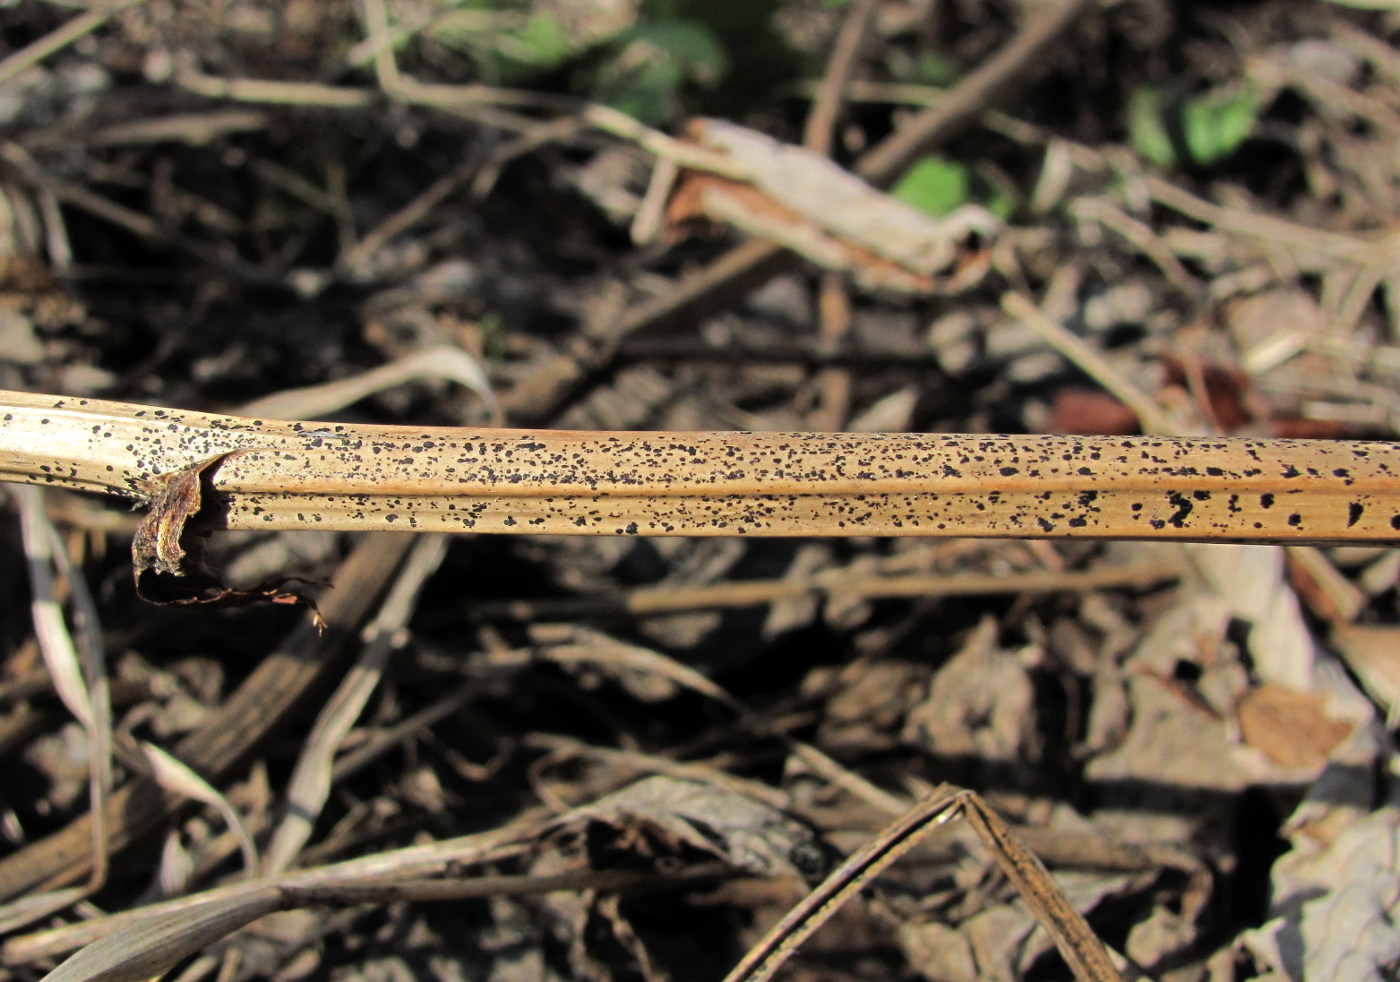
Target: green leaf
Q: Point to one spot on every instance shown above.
(690, 44)
(1002, 202)
(934, 185)
(1212, 124)
(934, 69)
(1146, 131)
(1216, 123)
(541, 42)
(651, 63)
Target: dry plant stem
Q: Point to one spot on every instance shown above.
(284, 475)
(147, 949)
(834, 384)
(1089, 361)
(974, 94)
(647, 601)
(32, 54)
(1081, 948)
(821, 119)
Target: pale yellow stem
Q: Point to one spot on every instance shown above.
(274, 474)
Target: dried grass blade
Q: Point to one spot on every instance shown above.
(1078, 944)
(1081, 948)
(311, 780)
(766, 957)
(81, 682)
(615, 655)
(439, 361)
(411, 862)
(148, 948)
(36, 907)
(265, 697)
(174, 776)
(50, 629)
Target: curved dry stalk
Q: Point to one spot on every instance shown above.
(269, 474)
(1082, 950)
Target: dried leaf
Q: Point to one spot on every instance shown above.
(174, 775)
(1290, 728)
(746, 833)
(1250, 581)
(1372, 652)
(980, 704)
(1335, 905)
(1000, 943)
(149, 947)
(814, 207)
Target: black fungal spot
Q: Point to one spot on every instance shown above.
(1266, 500)
(1354, 512)
(1008, 471)
(1183, 507)
(1295, 519)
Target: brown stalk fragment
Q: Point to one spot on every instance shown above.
(169, 552)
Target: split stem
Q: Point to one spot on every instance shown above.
(274, 474)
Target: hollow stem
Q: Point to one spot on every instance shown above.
(275, 474)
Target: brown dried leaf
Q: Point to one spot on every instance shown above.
(980, 705)
(1090, 411)
(746, 833)
(1290, 728)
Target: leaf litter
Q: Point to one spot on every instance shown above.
(627, 759)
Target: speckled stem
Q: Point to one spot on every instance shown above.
(274, 474)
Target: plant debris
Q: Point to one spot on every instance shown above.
(633, 758)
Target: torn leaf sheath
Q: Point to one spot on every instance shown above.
(276, 474)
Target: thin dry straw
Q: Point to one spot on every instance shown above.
(77, 665)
